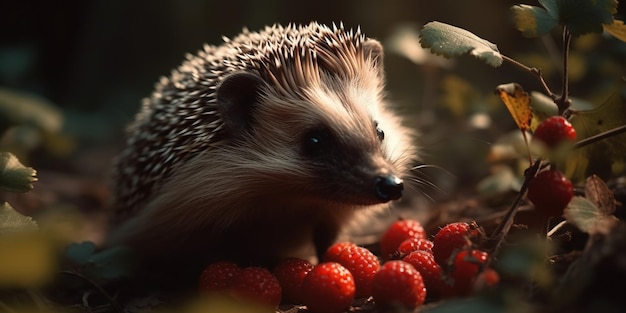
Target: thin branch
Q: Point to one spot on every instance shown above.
(600, 136)
(563, 102)
(497, 237)
(532, 70)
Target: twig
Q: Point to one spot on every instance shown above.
(556, 228)
(535, 71)
(563, 102)
(600, 136)
(497, 237)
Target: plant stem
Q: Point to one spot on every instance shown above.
(497, 237)
(535, 71)
(563, 102)
(600, 136)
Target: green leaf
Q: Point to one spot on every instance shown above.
(585, 215)
(14, 176)
(110, 264)
(533, 21)
(605, 158)
(585, 16)
(450, 41)
(11, 220)
(80, 253)
(579, 16)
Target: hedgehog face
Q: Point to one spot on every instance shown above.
(322, 142)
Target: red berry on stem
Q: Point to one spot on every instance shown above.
(398, 232)
(363, 265)
(450, 238)
(554, 131)
(218, 276)
(290, 273)
(257, 284)
(398, 283)
(328, 288)
(550, 191)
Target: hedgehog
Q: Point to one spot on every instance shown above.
(253, 149)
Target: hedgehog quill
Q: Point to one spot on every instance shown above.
(251, 149)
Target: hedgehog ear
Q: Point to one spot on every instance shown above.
(236, 98)
(374, 50)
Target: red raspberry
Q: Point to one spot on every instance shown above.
(467, 265)
(332, 253)
(398, 232)
(290, 273)
(257, 284)
(398, 282)
(550, 192)
(218, 276)
(554, 131)
(328, 288)
(424, 262)
(363, 265)
(414, 244)
(451, 237)
(488, 278)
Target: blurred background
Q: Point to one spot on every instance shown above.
(91, 62)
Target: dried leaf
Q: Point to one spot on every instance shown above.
(599, 194)
(617, 29)
(518, 102)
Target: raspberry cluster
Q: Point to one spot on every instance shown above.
(410, 268)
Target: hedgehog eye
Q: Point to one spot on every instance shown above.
(315, 140)
(380, 133)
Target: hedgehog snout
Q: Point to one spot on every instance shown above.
(388, 187)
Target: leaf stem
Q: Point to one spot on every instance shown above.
(533, 70)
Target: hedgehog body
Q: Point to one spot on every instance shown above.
(253, 148)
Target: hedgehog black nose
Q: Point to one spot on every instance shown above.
(388, 187)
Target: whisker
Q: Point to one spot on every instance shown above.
(422, 192)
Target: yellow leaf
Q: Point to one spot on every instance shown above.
(617, 29)
(518, 102)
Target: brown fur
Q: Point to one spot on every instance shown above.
(247, 193)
